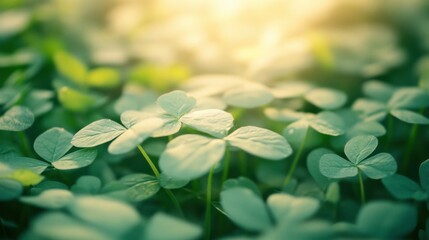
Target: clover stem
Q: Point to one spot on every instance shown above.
(156, 172)
(362, 189)
(207, 222)
(170, 137)
(410, 146)
(226, 165)
(295, 160)
(25, 145)
(389, 131)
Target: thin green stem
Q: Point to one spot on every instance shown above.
(24, 141)
(226, 165)
(389, 131)
(149, 161)
(295, 160)
(170, 137)
(207, 222)
(410, 146)
(361, 186)
(156, 172)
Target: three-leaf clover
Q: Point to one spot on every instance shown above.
(191, 155)
(400, 105)
(402, 187)
(52, 147)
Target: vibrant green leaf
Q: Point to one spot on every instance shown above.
(327, 123)
(245, 209)
(326, 98)
(103, 78)
(112, 216)
(50, 199)
(260, 142)
(334, 166)
(53, 144)
(285, 207)
(409, 116)
(97, 133)
(17, 118)
(78, 159)
(75, 100)
(176, 103)
(177, 229)
(26, 177)
(191, 156)
(360, 147)
(9, 189)
(71, 67)
(212, 121)
(378, 166)
(386, 220)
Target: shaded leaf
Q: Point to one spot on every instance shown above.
(168, 182)
(9, 189)
(53, 144)
(78, 159)
(50, 199)
(32, 164)
(86, 185)
(424, 175)
(401, 187)
(378, 166)
(17, 118)
(313, 166)
(178, 229)
(286, 207)
(409, 116)
(334, 166)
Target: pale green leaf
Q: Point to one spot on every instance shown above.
(327, 123)
(248, 96)
(284, 115)
(291, 89)
(386, 219)
(296, 132)
(367, 128)
(162, 226)
(360, 147)
(78, 159)
(112, 216)
(285, 207)
(131, 117)
(378, 166)
(212, 121)
(334, 166)
(245, 208)
(410, 98)
(378, 90)
(171, 125)
(409, 116)
(176, 103)
(97, 133)
(53, 144)
(168, 182)
(50, 199)
(370, 110)
(191, 156)
(133, 187)
(9, 189)
(326, 98)
(17, 118)
(260, 142)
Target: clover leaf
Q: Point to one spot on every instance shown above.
(191, 156)
(17, 118)
(402, 187)
(178, 228)
(357, 151)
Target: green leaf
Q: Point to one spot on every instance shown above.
(284, 115)
(410, 98)
(296, 132)
(103, 78)
(241, 182)
(409, 116)
(53, 144)
(248, 96)
(168, 182)
(75, 100)
(260, 142)
(26, 177)
(334, 166)
(313, 166)
(386, 220)
(9, 189)
(17, 118)
(133, 187)
(130, 118)
(285, 207)
(327, 123)
(46, 185)
(171, 125)
(291, 89)
(71, 67)
(424, 175)
(50, 199)
(176, 103)
(177, 229)
(245, 208)
(78, 159)
(97, 133)
(401, 187)
(378, 166)
(326, 98)
(212, 121)
(378, 90)
(370, 110)
(132, 137)
(39, 101)
(32, 164)
(112, 216)
(360, 147)
(86, 185)
(367, 128)
(191, 156)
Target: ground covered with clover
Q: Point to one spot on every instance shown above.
(216, 120)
